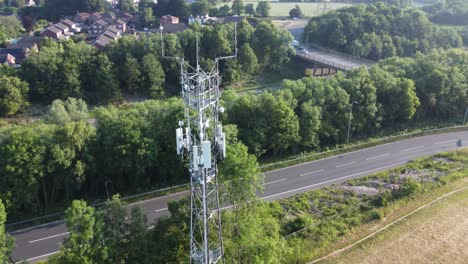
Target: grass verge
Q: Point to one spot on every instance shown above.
(317, 223)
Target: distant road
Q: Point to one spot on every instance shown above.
(35, 244)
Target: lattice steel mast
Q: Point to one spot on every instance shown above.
(201, 137)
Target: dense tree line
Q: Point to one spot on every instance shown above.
(454, 12)
(72, 155)
(135, 67)
(312, 113)
(379, 31)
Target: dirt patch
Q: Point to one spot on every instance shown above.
(438, 234)
(361, 190)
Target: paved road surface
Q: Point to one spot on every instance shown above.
(336, 60)
(38, 243)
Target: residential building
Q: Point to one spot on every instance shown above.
(95, 16)
(168, 19)
(30, 3)
(174, 28)
(52, 32)
(121, 25)
(62, 28)
(82, 17)
(7, 59)
(97, 28)
(102, 41)
(18, 53)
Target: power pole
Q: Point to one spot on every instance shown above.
(201, 137)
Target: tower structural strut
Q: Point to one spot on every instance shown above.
(200, 136)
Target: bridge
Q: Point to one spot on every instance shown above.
(327, 62)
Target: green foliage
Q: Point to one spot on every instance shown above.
(54, 9)
(10, 27)
(296, 12)
(237, 7)
(63, 112)
(263, 9)
(250, 9)
(13, 95)
(6, 241)
(379, 31)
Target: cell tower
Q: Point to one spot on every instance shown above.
(201, 137)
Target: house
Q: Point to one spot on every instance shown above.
(126, 16)
(97, 28)
(7, 59)
(102, 41)
(31, 46)
(109, 17)
(174, 28)
(168, 19)
(121, 25)
(112, 35)
(95, 16)
(70, 24)
(19, 54)
(52, 32)
(62, 28)
(30, 3)
(82, 17)
(114, 30)
(198, 19)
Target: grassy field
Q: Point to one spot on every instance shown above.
(282, 9)
(437, 234)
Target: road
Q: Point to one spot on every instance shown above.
(37, 243)
(333, 59)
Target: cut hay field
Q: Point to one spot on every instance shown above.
(437, 234)
(282, 9)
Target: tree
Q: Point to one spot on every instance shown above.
(296, 12)
(240, 175)
(201, 7)
(62, 112)
(126, 5)
(263, 9)
(99, 81)
(147, 18)
(248, 59)
(237, 7)
(225, 10)
(13, 94)
(153, 76)
(250, 9)
(131, 75)
(85, 243)
(6, 241)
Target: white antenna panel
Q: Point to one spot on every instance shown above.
(223, 146)
(195, 158)
(179, 140)
(206, 151)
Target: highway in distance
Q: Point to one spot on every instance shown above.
(40, 242)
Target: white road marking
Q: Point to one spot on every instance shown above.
(159, 210)
(268, 183)
(342, 165)
(445, 142)
(337, 179)
(418, 147)
(379, 156)
(313, 172)
(40, 239)
(38, 257)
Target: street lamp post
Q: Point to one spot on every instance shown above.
(307, 39)
(107, 191)
(349, 122)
